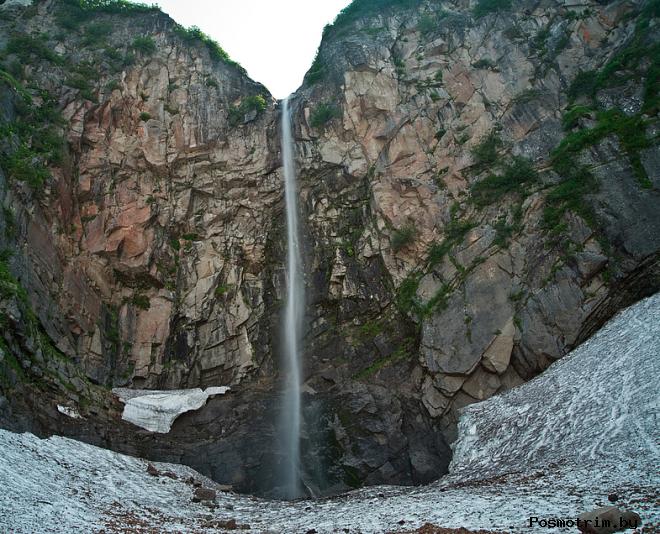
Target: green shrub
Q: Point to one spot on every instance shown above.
(144, 116)
(406, 297)
(371, 329)
(515, 175)
(456, 229)
(484, 63)
(486, 153)
(141, 301)
(251, 103)
(25, 165)
(221, 290)
(573, 115)
(96, 33)
(485, 7)
(112, 85)
(9, 80)
(9, 286)
(437, 251)
(426, 24)
(652, 87)
(503, 232)
(399, 66)
(359, 9)
(631, 132)
(195, 35)
(454, 232)
(403, 353)
(323, 114)
(73, 14)
(26, 47)
(578, 181)
(525, 96)
(79, 82)
(584, 84)
(144, 44)
(33, 141)
(569, 196)
(317, 71)
(402, 237)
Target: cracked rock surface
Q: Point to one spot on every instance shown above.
(451, 252)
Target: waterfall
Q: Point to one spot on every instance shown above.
(290, 418)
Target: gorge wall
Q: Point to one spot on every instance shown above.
(479, 193)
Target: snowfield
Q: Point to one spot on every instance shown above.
(156, 410)
(552, 448)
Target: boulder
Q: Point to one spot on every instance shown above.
(204, 494)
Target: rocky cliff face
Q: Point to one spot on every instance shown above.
(479, 187)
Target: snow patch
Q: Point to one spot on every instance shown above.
(599, 401)
(69, 412)
(552, 448)
(156, 410)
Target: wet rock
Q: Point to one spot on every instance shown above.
(177, 283)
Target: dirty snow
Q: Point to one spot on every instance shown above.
(554, 447)
(156, 410)
(68, 411)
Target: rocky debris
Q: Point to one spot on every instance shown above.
(202, 494)
(608, 519)
(156, 261)
(151, 469)
(230, 524)
(428, 528)
(495, 483)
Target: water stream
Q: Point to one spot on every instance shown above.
(290, 418)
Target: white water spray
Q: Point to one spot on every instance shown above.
(290, 419)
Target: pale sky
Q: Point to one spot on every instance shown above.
(274, 40)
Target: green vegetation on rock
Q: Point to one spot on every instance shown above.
(323, 114)
(248, 104)
(359, 9)
(195, 35)
(33, 141)
(144, 44)
(317, 71)
(486, 7)
(630, 130)
(403, 237)
(403, 353)
(26, 47)
(513, 177)
(486, 153)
